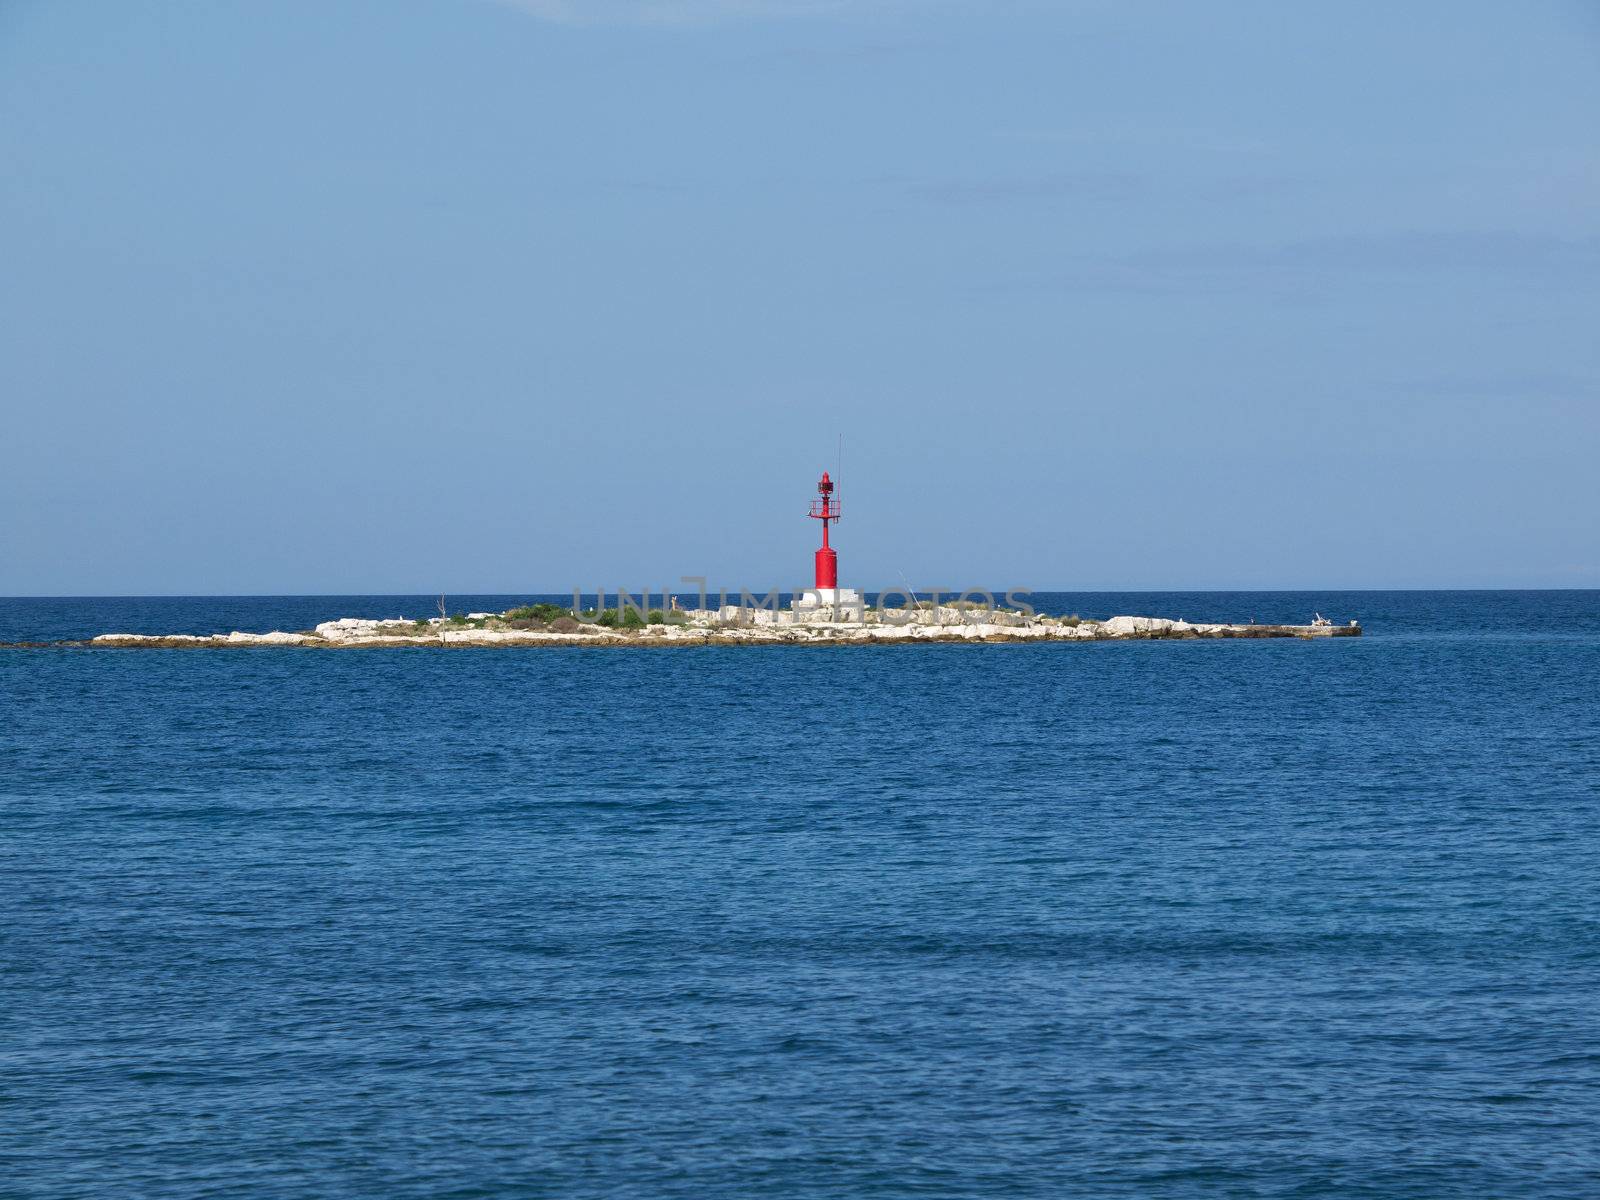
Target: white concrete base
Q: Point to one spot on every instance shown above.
(829, 604)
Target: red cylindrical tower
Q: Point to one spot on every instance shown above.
(826, 510)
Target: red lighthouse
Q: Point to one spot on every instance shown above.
(827, 601)
(826, 510)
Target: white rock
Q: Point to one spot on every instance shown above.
(1122, 626)
(348, 628)
(275, 638)
(145, 637)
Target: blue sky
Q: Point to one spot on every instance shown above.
(415, 295)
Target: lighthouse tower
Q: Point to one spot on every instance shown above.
(826, 511)
(827, 601)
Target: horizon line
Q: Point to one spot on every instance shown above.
(524, 592)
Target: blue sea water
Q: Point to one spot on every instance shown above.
(1175, 919)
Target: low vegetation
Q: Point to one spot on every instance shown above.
(537, 612)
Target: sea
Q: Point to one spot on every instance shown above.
(1145, 919)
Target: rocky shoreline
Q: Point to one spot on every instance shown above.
(724, 627)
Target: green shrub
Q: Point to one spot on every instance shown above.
(536, 612)
(606, 617)
(656, 617)
(631, 619)
(1073, 620)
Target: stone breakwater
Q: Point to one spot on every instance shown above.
(726, 627)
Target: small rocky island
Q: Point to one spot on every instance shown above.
(731, 625)
(825, 615)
